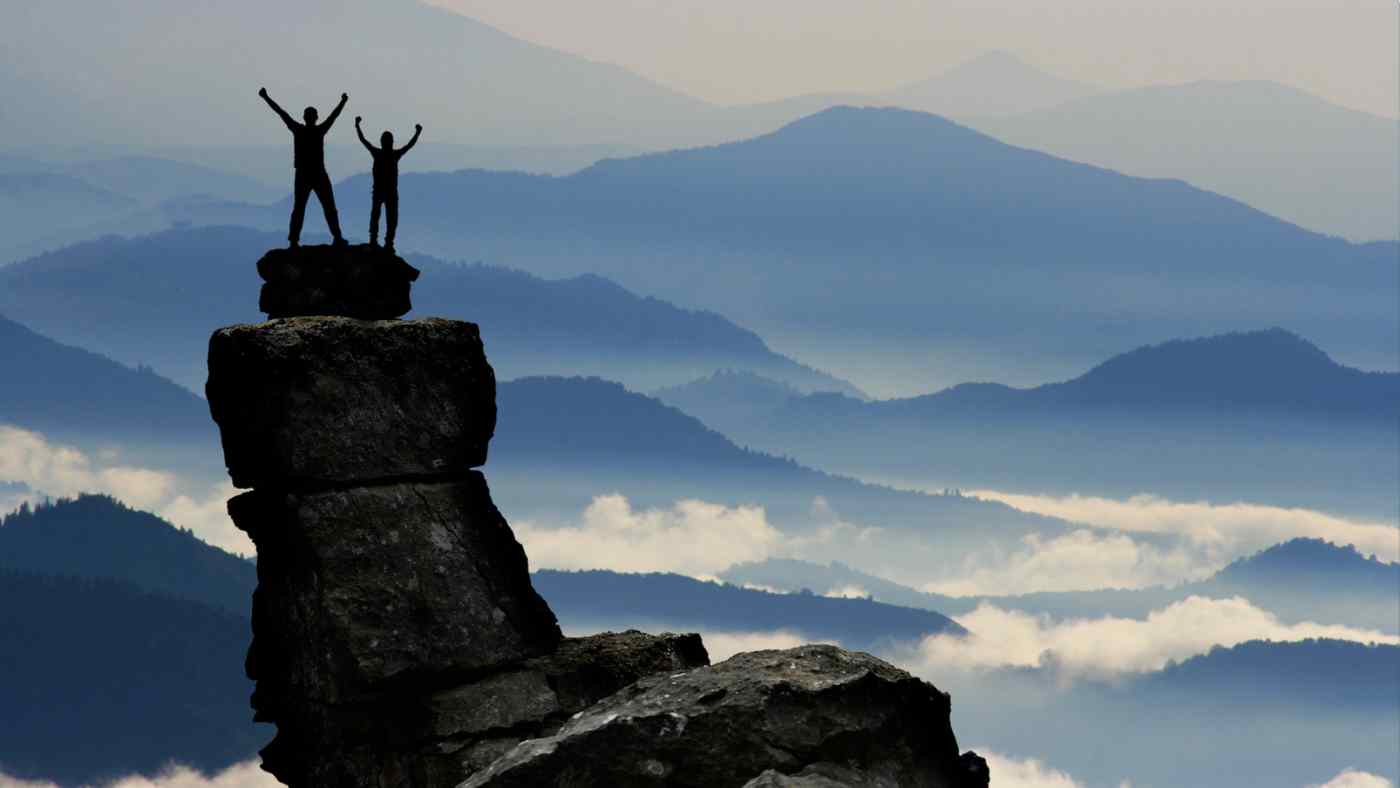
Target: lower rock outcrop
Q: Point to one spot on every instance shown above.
(754, 717)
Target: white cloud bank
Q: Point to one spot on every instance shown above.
(692, 538)
(60, 471)
(1352, 778)
(1082, 560)
(243, 775)
(1009, 772)
(1227, 530)
(1109, 646)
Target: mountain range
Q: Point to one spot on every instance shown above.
(889, 245)
(1298, 580)
(155, 300)
(1330, 169)
(1262, 416)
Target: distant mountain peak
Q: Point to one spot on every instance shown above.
(1279, 353)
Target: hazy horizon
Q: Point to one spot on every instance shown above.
(1344, 52)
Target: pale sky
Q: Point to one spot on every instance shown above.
(738, 51)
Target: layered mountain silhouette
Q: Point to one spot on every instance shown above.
(1299, 580)
(590, 437)
(1261, 416)
(1259, 142)
(155, 300)
(929, 239)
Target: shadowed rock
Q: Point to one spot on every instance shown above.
(428, 737)
(364, 589)
(334, 401)
(366, 282)
(728, 724)
(477, 723)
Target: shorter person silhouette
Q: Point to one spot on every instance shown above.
(386, 182)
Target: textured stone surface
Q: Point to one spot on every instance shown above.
(495, 714)
(366, 282)
(439, 737)
(726, 725)
(822, 775)
(365, 589)
(332, 400)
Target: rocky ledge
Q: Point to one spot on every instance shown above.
(795, 717)
(366, 282)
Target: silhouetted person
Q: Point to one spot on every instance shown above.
(310, 163)
(386, 181)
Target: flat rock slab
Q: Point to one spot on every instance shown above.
(726, 725)
(332, 400)
(377, 589)
(366, 282)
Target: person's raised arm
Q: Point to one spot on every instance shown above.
(361, 135)
(417, 131)
(335, 113)
(281, 113)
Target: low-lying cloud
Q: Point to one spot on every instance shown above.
(1351, 778)
(1009, 772)
(243, 775)
(1082, 560)
(692, 537)
(1109, 646)
(1226, 530)
(52, 470)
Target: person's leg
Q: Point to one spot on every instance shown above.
(391, 208)
(374, 220)
(301, 190)
(326, 195)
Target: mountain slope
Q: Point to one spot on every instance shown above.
(50, 388)
(137, 678)
(96, 537)
(155, 300)
(1296, 156)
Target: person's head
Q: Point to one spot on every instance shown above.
(309, 115)
(386, 140)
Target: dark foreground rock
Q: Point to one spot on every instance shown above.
(365, 587)
(335, 401)
(416, 737)
(784, 711)
(397, 639)
(365, 282)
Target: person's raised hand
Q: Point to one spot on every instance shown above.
(344, 96)
(262, 92)
(418, 127)
(358, 119)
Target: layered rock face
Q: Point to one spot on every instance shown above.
(397, 640)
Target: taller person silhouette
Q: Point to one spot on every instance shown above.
(386, 181)
(309, 149)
